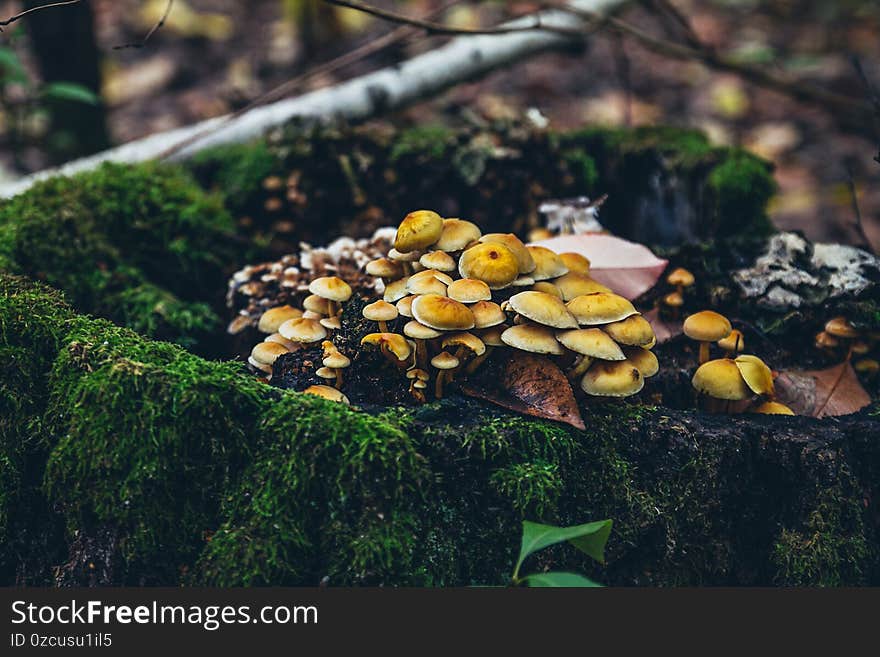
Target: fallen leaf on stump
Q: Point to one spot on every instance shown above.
(606, 253)
(532, 385)
(822, 393)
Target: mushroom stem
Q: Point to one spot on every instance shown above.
(332, 308)
(438, 388)
(581, 365)
(383, 326)
(421, 355)
(704, 352)
(479, 360)
(338, 372)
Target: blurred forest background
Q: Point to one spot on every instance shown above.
(69, 86)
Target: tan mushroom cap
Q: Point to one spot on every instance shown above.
(733, 342)
(486, 314)
(707, 326)
(418, 231)
(457, 234)
(436, 274)
(331, 287)
(617, 378)
(303, 330)
(439, 260)
(442, 313)
(680, 277)
(444, 361)
(600, 308)
(490, 262)
(332, 323)
(721, 379)
(404, 305)
(548, 264)
(384, 268)
(395, 343)
(425, 285)
(575, 262)
(758, 377)
(634, 331)
(523, 281)
(643, 359)
(469, 290)
(575, 284)
(467, 340)
(840, 327)
(327, 392)
(316, 304)
(397, 256)
(548, 287)
(325, 372)
(826, 341)
(523, 257)
(673, 300)
(275, 317)
(311, 314)
(532, 338)
(336, 360)
(290, 345)
(772, 408)
(418, 331)
(417, 373)
(380, 311)
(267, 352)
(591, 342)
(258, 365)
(543, 308)
(395, 290)
(491, 337)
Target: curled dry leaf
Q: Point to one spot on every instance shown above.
(606, 253)
(532, 385)
(822, 393)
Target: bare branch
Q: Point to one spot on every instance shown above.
(11, 20)
(153, 30)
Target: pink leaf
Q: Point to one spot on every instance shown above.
(628, 268)
(822, 393)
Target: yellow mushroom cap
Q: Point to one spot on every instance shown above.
(303, 330)
(643, 359)
(575, 262)
(397, 256)
(548, 287)
(707, 326)
(395, 290)
(840, 327)
(634, 331)
(384, 268)
(721, 379)
(332, 323)
(617, 378)
(428, 281)
(548, 264)
(524, 259)
(772, 408)
(290, 345)
(591, 342)
(404, 306)
(395, 343)
(417, 373)
(680, 276)
(444, 361)
(529, 337)
(543, 308)
(442, 313)
(327, 393)
(469, 290)
(756, 374)
(325, 372)
(267, 352)
(316, 304)
(867, 366)
(331, 287)
(486, 314)
(380, 311)
(467, 340)
(600, 308)
(418, 230)
(575, 284)
(275, 317)
(457, 234)
(418, 331)
(490, 262)
(438, 260)
(336, 360)
(826, 341)
(491, 337)
(733, 342)
(673, 300)
(258, 365)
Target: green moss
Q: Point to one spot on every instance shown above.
(236, 171)
(532, 487)
(583, 167)
(742, 187)
(431, 141)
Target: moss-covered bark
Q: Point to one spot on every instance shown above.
(160, 467)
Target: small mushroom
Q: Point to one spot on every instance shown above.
(547, 263)
(532, 338)
(418, 381)
(673, 301)
(425, 282)
(264, 355)
(275, 317)
(525, 262)
(544, 309)
(303, 330)
(420, 333)
(466, 342)
(840, 328)
(442, 313)
(443, 362)
(385, 268)
(486, 314)
(490, 262)
(548, 288)
(756, 374)
(396, 290)
(332, 288)
(634, 331)
(394, 347)
(469, 290)
(600, 308)
(418, 231)
(867, 367)
(575, 262)
(772, 408)
(644, 359)
(439, 260)
(721, 379)
(331, 323)
(619, 378)
(404, 305)
(589, 343)
(733, 343)
(327, 393)
(335, 360)
(826, 341)
(456, 234)
(706, 326)
(575, 284)
(680, 278)
(382, 312)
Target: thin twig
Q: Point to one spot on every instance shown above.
(433, 28)
(665, 7)
(859, 226)
(11, 20)
(843, 367)
(153, 30)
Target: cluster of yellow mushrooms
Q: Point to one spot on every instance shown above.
(735, 378)
(457, 294)
(840, 337)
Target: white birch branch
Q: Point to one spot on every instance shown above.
(418, 79)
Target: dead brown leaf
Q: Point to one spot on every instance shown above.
(822, 393)
(663, 329)
(532, 385)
